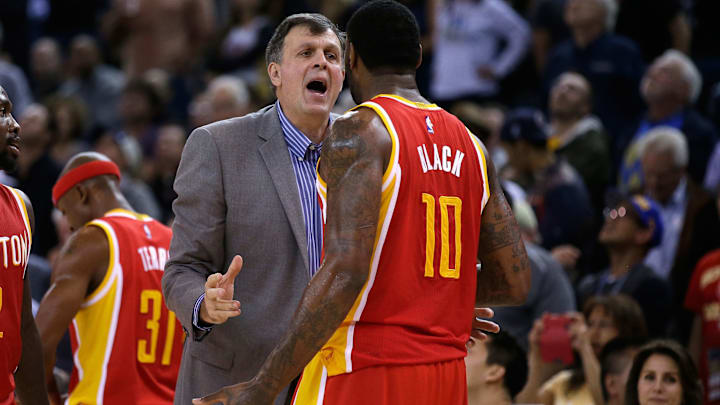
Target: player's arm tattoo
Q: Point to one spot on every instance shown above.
(352, 164)
(504, 278)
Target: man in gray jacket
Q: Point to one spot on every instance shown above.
(246, 186)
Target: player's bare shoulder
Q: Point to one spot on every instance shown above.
(86, 251)
(354, 136)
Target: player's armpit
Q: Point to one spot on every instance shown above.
(504, 278)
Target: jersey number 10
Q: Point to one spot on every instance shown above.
(445, 248)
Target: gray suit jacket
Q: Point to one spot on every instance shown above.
(237, 194)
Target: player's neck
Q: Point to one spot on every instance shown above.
(112, 201)
(403, 85)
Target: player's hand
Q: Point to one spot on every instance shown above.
(480, 325)
(248, 393)
(219, 304)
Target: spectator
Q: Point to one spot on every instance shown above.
(554, 189)
(125, 152)
(603, 319)
(616, 360)
(96, 84)
(227, 97)
(141, 110)
(631, 228)
(496, 369)
(704, 49)
(550, 289)
(467, 59)
(14, 81)
(689, 215)
(703, 300)
(548, 29)
(670, 87)
(612, 64)
(69, 119)
(168, 150)
(36, 174)
(577, 135)
(241, 43)
(158, 34)
(663, 372)
(655, 25)
(46, 67)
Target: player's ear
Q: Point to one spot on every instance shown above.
(82, 193)
(352, 57)
(419, 62)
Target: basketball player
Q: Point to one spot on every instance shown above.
(106, 286)
(20, 354)
(408, 196)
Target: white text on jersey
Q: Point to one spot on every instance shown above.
(14, 249)
(442, 160)
(153, 258)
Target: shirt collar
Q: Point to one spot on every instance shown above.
(678, 196)
(298, 143)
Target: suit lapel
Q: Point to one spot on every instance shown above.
(277, 159)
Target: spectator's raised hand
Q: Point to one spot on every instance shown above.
(219, 304)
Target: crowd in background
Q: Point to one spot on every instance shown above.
(601, 116)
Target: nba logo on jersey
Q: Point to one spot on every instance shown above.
(429, 125)
(147, 232)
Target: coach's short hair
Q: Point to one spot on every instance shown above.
(385, 34)
(316, 23)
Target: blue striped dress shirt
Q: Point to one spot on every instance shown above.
(304, 156)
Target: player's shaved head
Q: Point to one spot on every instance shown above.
(81, 159)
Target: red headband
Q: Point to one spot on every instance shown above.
(83, 172)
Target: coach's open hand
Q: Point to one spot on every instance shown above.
(247, 393)
(219, 304)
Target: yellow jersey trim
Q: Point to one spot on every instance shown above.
(120, 212)
(483, 168)
(104, 286)
(393, 163)
(96, 327)
(26, 217)
(415, 104)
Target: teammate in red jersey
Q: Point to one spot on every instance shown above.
(20, 354)
(411, 202)
(106, 285)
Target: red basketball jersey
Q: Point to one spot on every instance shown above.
(15, 240)
(417, 305)
(126, 343)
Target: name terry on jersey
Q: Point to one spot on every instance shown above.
(14, 249)
(442, 161)
(153, 258)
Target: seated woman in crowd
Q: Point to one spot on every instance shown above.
(603, 319)
(663, 372)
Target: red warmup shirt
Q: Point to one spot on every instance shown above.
(417, 304)
(703, 298)
(126, 343)
(15, 241)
